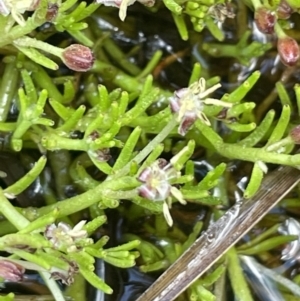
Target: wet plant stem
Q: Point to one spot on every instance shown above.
(110, 186)
(240, 287)
(149, 147)
(245, 153)
(11, 214)
(7, 89)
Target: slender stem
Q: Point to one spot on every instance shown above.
(84, 200)
(53, 287)
(240, 288)
(256, 4)
(7, 89)
(11, 214)
(279, 31)
(122, 194)
(150, 147)
(30, 42)
(239, 152)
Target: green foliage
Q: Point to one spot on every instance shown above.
(102, 131)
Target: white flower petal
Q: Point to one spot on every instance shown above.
(178, 195)
(167, 214)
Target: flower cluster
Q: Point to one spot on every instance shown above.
(189, 104)
(63, 236)
(157, 187)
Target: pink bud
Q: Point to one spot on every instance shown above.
(284, 11)
(295, 134)
(288, 50)
(78, 58)
(265, 20)
(11, 271)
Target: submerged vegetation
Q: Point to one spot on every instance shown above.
(128, 128)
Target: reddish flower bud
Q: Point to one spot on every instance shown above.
(11, 271)
(284, 11)
(78, 58)
(295, 134)
(265, 20)
(288, 50)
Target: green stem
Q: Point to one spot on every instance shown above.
(119, 57)
(11, 214)
(20, 31)
(279, 31)
(38, 19)
(256, 4)
(52, 142)
(30, 42)
(60, 162)
(150, 147)
(239, 152)
(7, 89)
(240, 287)
(122, 194)
(84, 200)
(53, 286)
(121, 79)
(44, 81)
(257, 154)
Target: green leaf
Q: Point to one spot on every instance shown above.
(37, 57)
(127, 151)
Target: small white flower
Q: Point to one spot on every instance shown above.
(123, 4)
(64, 236)
(156, 185)
(16, 8)
(189, 104)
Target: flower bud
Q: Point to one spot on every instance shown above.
(11, 271)
(295, 134)
(288, 50)
(284, 11)
(265, 20)
(78, 58)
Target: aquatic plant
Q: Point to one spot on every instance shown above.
(91, 136)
